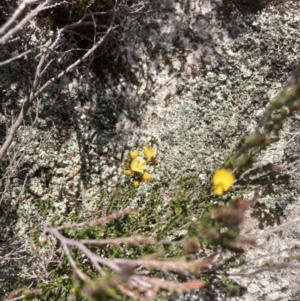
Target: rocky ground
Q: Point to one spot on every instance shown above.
(191, 78)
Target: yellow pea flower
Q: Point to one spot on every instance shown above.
(127, 172)
(134, 154)
(136, 183)
(138, 166)
(146, 176)
(222, 180)
(148, 152)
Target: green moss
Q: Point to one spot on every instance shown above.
(44, 207)
(232, 261)
(232, 289)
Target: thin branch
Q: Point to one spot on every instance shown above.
(101, 221)
(16, 14)
(283, 265)
(133, 241)
(81, 275)
(94, 258)
(285, 226)
(72, 66)
(79, 24)
(35, 92)
(14, 58)
(21, 24)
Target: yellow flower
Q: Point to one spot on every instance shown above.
(222, 180)
(127, 172)
(148, 152)
(146, 176)
(134, 154)
(136, 183)
(138, 166)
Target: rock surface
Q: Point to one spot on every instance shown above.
(197, 76)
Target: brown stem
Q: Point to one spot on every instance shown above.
(35, 92)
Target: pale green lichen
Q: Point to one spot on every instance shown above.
(194, 135)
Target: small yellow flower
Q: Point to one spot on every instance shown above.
(222, 180)
(148, 152)
(138, 166)
(136, 183)
(134, 154)
(146, 176)
(127, 172)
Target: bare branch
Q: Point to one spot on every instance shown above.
(16, 15)
(35, 91)
(133, 241)
(14, 58)
(101, 221)
(21, 24)
(283, 265)
(287, 225)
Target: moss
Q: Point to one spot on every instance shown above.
(232, 289)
